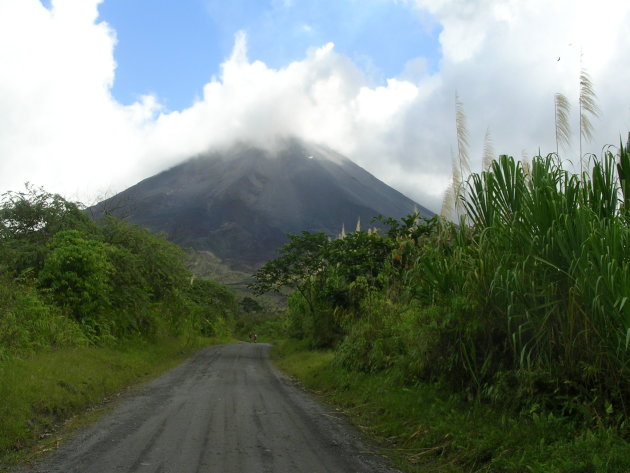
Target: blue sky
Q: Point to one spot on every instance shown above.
(97, 95)
(172, 48)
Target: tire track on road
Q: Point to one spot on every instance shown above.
(226, 410)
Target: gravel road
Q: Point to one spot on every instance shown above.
(225, 410)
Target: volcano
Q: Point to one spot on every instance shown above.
(241, 202)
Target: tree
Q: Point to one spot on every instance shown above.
(412, 227)
(28, 221)
(248, 305)
(161, 263)
(297, 266)
(76, 274)
(213, 306)
(358, 255)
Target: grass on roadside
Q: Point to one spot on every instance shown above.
(426, 429)
(39, 393)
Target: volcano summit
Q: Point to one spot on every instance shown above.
(240, 203)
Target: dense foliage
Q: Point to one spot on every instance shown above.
(66, 280)
(525, 302)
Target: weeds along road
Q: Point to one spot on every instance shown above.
(225, 410)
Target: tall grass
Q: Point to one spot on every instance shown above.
(528, 303)
(552, 259)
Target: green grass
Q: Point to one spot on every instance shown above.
(428, 429)
(39, 394)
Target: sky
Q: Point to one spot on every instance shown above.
(96, 95)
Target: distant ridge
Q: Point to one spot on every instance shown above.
(240, 203)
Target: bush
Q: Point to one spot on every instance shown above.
(28, 324)
(76, 275)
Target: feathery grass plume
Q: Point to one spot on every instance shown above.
(461, 168)
(456, 185)
(563, 129)
(449, 201)
(527, 170)
(488, 151)
(588, 106)
(447, 209)
(524, 155)
(526, 164)
(462, 137)
(456, 174)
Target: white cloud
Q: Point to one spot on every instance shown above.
(306, 28)
(283, 3)
(61, 128)
(502, 57)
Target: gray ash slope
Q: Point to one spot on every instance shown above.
(240, 203)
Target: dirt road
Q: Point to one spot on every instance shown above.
(226, 411)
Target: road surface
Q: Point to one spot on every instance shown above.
(225, 410)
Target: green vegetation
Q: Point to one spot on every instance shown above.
(86, 307)
(519, 313)
(427, 428)
(40, 393)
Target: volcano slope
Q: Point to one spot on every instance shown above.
(239, 203)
